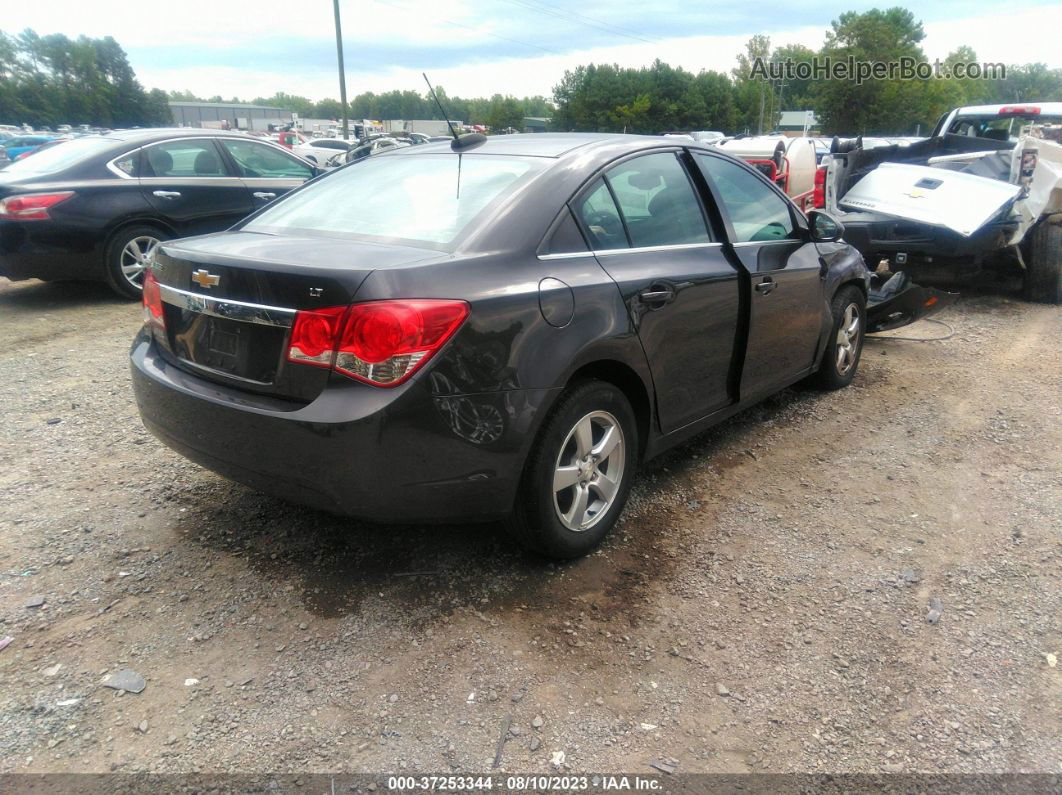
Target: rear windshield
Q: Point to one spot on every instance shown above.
(423, 199)
(1000, 128)
(59, 157)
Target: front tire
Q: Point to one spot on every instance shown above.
(1043, 274)
(845, 343)
(579, 473)
(128, 255)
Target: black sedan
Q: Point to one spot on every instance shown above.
(504, 331)
(96, 207)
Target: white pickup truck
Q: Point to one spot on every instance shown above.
(984, 190)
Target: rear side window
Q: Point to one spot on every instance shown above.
(657, 201)
(128, 164)
(601, 219)
(183, 159)
(756, 212)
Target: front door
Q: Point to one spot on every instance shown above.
(787, 303)
(267, 171)
(648, 231)
(189, 185)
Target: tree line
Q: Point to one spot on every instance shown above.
(658, 98)
(48, 80)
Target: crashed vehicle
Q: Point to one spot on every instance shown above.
(983, 191)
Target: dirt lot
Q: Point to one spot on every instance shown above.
(764, 606)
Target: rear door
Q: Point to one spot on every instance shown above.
(787, 303)
(267, 171)
(649, 232)
(190, 185)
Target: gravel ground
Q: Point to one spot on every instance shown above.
(767, 604)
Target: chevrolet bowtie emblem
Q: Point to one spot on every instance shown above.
(205, 278)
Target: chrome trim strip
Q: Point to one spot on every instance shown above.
(643, 249)
(566, 255)
(748, 243)
(228, 308)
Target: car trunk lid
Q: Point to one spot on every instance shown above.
(229, 301)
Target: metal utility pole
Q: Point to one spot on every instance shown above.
(759, 127)
(342, 73)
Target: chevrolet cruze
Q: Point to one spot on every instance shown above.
(488, 329)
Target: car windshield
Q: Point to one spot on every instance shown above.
(426, 200)
(61, 156)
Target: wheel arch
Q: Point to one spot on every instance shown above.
(126, 223)
(629, 382)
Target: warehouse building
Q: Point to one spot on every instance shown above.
(222, 115)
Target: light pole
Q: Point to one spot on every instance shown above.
(342, 73)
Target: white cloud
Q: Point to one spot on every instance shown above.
(206, 26)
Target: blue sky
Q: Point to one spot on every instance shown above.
(480, 47)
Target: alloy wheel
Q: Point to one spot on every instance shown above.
(135, 258)
(589, 471)
(848, 339)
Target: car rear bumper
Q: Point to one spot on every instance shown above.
(403, 455)
(882, 236)
(45, 250)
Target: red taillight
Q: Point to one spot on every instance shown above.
(152, 296)
(818, 196)
(1019, 110)
(31, 206)
(313, 336)
(380, 342)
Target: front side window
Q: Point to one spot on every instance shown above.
(183, 159)
(756, 212)
(427, 200)
(657, 201)
(256, 160)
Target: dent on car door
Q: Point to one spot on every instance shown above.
(189, 185)
(267, 171)
(647, 228)
(786, 302)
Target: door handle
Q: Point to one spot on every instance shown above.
(264, 196)
(659, 296)
(767, 285)
(167, 194)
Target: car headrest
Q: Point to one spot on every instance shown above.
(996, 135)
(207, 163)
(667, 200)
(161, 162)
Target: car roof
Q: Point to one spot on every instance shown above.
(169, 132)
(550, 144)
(1046, 108)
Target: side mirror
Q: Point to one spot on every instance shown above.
(824, 227)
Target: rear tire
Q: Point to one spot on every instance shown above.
(1043, 273)
(844, 346)
(128, 253)
(579, 473)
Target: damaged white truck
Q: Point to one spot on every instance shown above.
(983, 191)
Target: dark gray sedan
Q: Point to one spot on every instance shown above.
(498, 328)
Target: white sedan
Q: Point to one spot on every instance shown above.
(320, 150)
